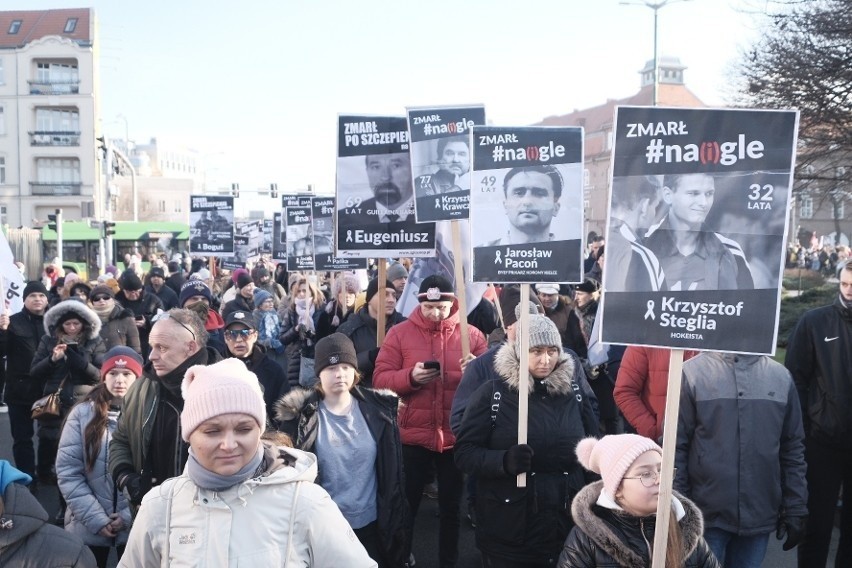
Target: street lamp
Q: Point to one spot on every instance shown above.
(655, 6)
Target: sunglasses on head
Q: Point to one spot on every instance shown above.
(237, 333)
(167, 315)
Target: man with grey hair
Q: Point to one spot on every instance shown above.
(147, 448)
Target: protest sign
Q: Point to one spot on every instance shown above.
(322, 209)
(374, 191)
(11, 280)
(300, 244)
(526, 204)
(440, 160)
(279, 237)
(247, 242)
(266, 243)
(697, 227)
(211, 222)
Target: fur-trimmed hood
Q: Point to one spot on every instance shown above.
(81, 310)
(559, 382)
(292, 404)
(692, 525)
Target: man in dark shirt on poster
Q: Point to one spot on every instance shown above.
(389, 176)
(531, 197)
(692, 257)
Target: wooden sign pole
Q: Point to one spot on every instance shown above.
(664, 506)
(381, 317)
(461, 287)
(523, 332)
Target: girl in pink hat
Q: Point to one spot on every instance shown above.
(615, 517)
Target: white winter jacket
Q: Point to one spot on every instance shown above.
(280, 519)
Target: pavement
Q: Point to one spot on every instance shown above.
(426, 526)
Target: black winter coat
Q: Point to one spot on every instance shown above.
(238, 304)
(166, 295)
(526, 524)
(146, 307)
(271, 377)
(19, 344)
(362, 329)
(297, 413)
(607, 538)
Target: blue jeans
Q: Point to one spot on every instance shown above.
(735, 551)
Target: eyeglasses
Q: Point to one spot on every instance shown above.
(100, 298)
(650, 478)
(234, 334)
(167, 315)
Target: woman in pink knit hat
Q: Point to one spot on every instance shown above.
(241, 499)
(615, 517)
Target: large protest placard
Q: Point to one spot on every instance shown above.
(322, 214)
(374, 191)
(300, 243)
(440, 160)
(697, 227)
(11, 280)
(211, 225)
(526, 204)
(266, 243)
(279, 237)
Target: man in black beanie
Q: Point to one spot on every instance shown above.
(362, 327)
(19, 337)
(144, 305)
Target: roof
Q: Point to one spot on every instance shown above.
(124, 231)
(599, 118)
(36, 24)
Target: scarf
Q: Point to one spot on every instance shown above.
(104, 311)
(200, 309)
(303, 308)
(212, 481)
(586, 315)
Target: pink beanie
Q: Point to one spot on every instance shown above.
(612, 456)
(225, 387)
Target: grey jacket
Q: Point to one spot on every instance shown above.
(32, 542)
(91, 495)
(740, 443)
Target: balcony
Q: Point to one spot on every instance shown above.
(54, 138)
(54, 87)
(55, 188)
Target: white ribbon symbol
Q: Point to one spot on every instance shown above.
(649, 313)
(497, 257)
(348, 236)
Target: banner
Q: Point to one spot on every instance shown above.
(11, 280)
(374, 191)
(211, 225)
(443, 263)
(266, 243)
(526, 204)
(697, 227)
(300, 243)
(279, 237)
(322, 212)
(440, 160)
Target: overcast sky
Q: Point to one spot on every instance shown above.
(257, 86)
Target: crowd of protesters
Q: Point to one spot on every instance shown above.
(251, 415)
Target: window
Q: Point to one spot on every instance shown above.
(2, 75)
(2, 170)
(609, 140)
(58, 170)
(70, 25)
(838, 209)
(178, 205)
(587, 178)
(2, 120)
(57, 120)
(63, 77)
(14, 27)
(162, 208)
(3, 214)
(806, 208)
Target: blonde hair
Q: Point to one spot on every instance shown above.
(316, 296)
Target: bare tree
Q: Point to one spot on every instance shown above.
(804, 60)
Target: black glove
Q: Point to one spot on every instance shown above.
(373, 354)
(132, 484)
(791, 527)
(76, 361)
(518, 459)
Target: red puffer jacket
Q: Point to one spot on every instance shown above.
(424, 417)
(640, 389)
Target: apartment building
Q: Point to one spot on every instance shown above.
(48, 109)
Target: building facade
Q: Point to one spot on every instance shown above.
(48, 109)
(598, 123)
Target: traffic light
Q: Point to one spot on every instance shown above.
(273, 190)
(109, 228)
(235, 189)
(55, 220)
(102, 145)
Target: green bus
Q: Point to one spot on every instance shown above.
(81, 243)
